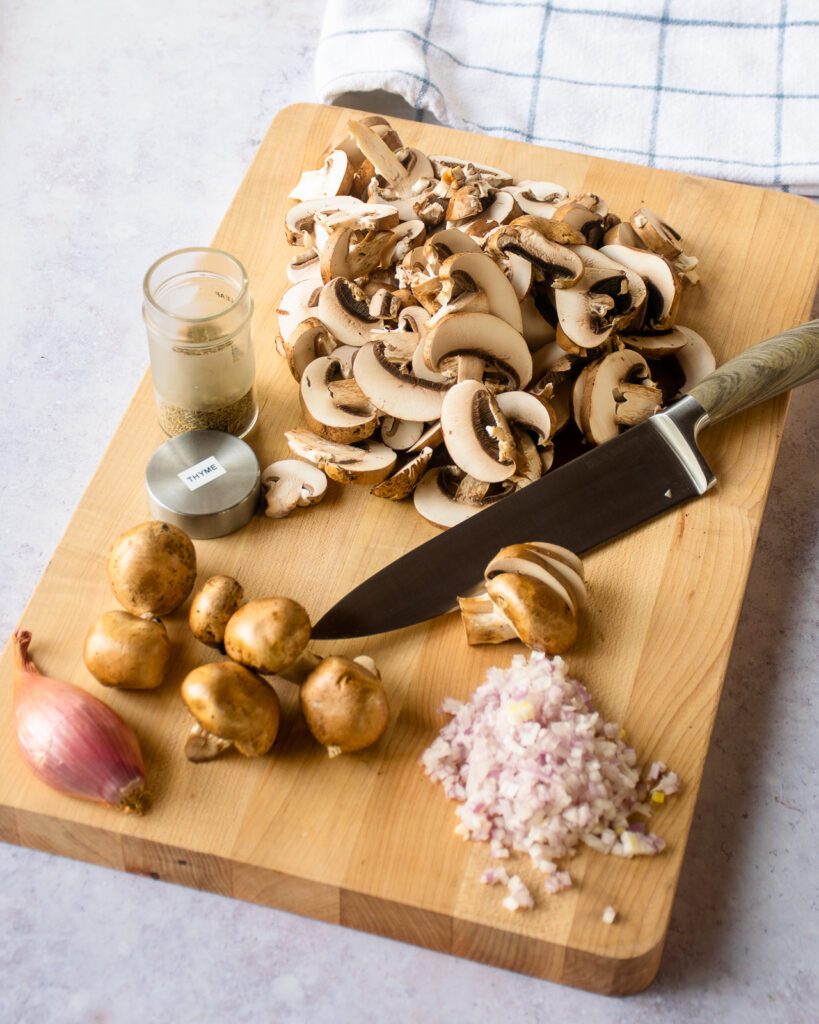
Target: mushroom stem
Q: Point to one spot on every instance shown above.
(483, 623)
(202, 745)
(470, 368)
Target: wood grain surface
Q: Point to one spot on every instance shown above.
(366, 840)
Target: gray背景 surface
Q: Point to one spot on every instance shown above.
(124, 131)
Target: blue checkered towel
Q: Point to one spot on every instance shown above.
(728, 88)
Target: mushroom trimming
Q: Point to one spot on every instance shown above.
(432, 271)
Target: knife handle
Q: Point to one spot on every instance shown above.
(761, 372)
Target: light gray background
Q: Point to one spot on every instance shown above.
(125, 129)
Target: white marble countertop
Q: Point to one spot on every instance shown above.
(124, 130)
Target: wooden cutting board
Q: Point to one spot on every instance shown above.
(366, 840)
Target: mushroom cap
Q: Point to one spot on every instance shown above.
(289, 484)
(268, 634)
(231, 702)
(345, 312)
(480, 334)
(128, 651)
(542, 619)
(152, 568)
(325, 414)
(478, 270)
(345, 705)
(394, 391)
(366, 463)
(212, 607)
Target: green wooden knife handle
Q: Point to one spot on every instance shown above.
(761, 372)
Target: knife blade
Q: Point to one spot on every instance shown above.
(644, 472)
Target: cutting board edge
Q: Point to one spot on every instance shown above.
(311, 898)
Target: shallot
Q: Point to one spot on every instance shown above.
(72, 741)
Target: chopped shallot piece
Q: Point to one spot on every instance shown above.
(519, 897)
(494, 875)
(609, 915)
(535, 769)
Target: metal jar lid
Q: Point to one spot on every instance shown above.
(206, 482)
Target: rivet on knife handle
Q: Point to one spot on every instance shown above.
(761, 372)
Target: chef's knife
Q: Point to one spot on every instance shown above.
(642, 473)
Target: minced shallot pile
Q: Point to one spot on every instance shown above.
(537, 770)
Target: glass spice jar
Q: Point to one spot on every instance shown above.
(197, 309)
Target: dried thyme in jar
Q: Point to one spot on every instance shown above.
(197, 309)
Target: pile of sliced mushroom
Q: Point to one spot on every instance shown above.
(445, 323)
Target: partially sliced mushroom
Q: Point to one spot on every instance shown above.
(299, 303)
(344, 310)
(324, 406)
(544, 245)
(396, 392)
(309, 340)
(475, 271)
(662, 281)
(483, 623)
(476, 433)
(402, 483)
(289, 484)
(555, 566)
(539, 198)
(446, 496)
(367, 463)
(334, 178)
(479, 335)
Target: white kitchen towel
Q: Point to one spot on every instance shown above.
(726, 88)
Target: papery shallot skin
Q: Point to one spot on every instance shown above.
(73, 741)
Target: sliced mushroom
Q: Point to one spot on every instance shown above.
(446, 496)
(403, 483)
(494, 176)
(380, 125)
(367, 463)
(432, 437)
(364, 218)
(537, 331)
(349, 254)
(394, 391)
(657, 346)
(539, 198)
(330, 412)
(499, 211)
(299, 303)
(304, 266)
(662, 281)
(299, 223)
(614, 392)
(406, 236)
(476, 433)
(344, 310)
(544, 245)
(483, 623)
(479, 335)
(290, 484)
(623, 233)
(586, 220)
(400, 435)
(309, 340)
(629, 296)
(446, 243)
(475, 271)
(525, 410)
(334, 178)
(695, 358)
